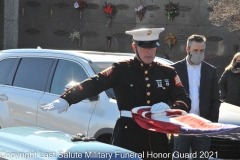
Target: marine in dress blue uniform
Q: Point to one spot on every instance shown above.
(136, 84)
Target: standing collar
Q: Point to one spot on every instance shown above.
(142, 65)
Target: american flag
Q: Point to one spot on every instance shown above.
(175, 121)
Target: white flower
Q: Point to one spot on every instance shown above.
(139, 8)
(76, 5)
(74, 35)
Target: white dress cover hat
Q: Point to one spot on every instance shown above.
(146, 37)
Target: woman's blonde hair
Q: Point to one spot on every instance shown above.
(231, 65)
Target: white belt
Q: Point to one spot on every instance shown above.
(126, 114)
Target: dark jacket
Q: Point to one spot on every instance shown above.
(229, 85)
(209, 91)
(135, 84)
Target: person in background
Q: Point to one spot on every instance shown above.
(201, 83)
(229, 83)
(136, 82)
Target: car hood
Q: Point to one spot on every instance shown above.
(45, 144)
(229, 114)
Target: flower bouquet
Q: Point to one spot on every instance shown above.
(140, 10)
(76, 35)
(170, 39)
(108, 9)
(172, 10)
(80, 5)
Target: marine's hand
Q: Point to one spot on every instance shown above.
(159, 107)
(60, 104)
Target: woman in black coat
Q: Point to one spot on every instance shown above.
(229, 83)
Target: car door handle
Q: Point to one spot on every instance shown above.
(3, 97)
(43, 104)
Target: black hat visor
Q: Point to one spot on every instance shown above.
(147, 44)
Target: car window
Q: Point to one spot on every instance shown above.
(66, 72)
(5, 67)
(100, 66)
(32, 73)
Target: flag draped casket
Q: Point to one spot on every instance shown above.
(175, 121)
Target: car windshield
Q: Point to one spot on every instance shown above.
(100, 66)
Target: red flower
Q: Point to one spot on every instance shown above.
(141, 10)
(108, 9)
(82, 4)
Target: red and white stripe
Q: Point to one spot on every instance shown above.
(176, 121)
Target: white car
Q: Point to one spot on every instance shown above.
(30, 78)
(34, 143)
(225, 148)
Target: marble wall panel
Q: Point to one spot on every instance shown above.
(55, 29)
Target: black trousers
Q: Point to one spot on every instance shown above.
(148, 144)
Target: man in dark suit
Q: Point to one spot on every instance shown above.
(200, 81)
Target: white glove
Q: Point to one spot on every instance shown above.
(158, 107)
(60, 104)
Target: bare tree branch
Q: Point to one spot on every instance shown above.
(225, 11)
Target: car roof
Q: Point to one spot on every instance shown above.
(91, 56)
(35, 139)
